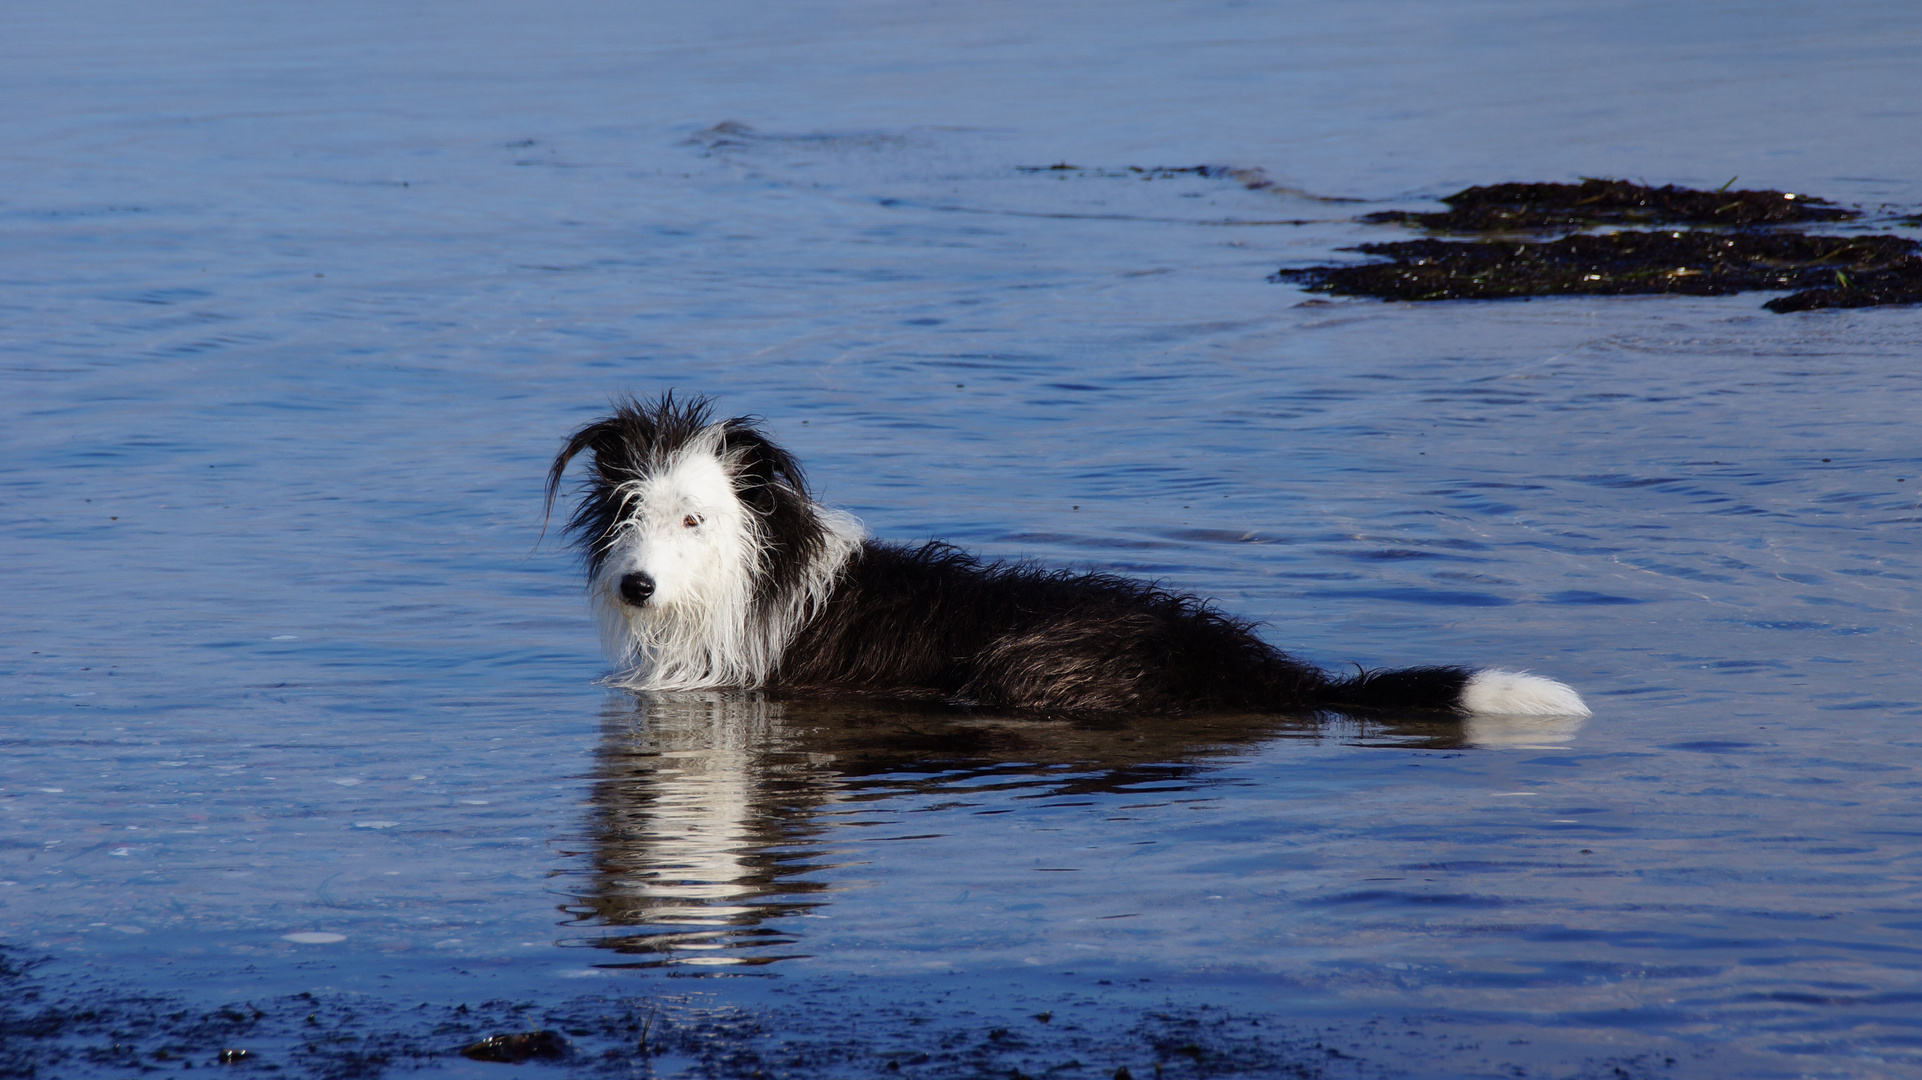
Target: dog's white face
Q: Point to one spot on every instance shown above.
(680, 557)
(707, 553)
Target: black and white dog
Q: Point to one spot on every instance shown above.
(710, 566)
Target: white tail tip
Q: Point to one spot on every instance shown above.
(1512, 693)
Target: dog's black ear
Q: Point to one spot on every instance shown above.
(769, 483)
(606, 437)
(766, 476)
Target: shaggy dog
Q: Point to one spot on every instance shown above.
(710, 566)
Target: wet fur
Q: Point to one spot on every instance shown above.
(759, 585)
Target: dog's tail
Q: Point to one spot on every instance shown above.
(1488, 690)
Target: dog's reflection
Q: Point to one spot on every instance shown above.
(713, 813)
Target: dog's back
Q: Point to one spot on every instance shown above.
(932, 620)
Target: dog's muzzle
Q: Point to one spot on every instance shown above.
(636, 588)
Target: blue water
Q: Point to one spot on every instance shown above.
(299, 302)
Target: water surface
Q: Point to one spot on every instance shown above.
(299, 700)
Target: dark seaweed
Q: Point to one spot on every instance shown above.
(1830, 271)
(1900, 284)
(1523, 207)
(60, 1029)
(1751, 252)
(517, 1047)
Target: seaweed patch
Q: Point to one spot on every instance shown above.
(1593, 203)
(57, 1024)
(1751, 250)
(1694, 263)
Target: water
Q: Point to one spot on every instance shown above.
(299, 305)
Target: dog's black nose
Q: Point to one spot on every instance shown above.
(636, 588)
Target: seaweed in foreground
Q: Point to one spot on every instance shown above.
(1516, 207)
(72, 1028)
(831, 1030)
(96, 1031)
(1828, 271)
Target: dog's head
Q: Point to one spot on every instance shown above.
(695, 532)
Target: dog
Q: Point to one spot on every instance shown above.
(711, 566)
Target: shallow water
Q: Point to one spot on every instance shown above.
(298, 699)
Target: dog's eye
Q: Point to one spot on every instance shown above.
(691, 520)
